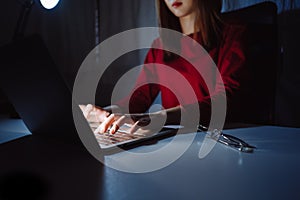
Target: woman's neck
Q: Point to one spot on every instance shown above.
(188, 24)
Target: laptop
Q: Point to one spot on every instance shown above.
(36, 89)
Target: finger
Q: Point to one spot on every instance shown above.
(86, 110)
(105, 124)
(117, 124)
(134, 127)
(97, 130)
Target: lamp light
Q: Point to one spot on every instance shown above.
(49, 4)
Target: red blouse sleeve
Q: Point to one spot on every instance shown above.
(231, 63)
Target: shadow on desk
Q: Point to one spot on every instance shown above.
(23, 185)
(35, 168)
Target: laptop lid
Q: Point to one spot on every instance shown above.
(33, 84)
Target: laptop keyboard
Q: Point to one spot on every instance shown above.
(119, 137)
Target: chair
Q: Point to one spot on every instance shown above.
(262, 60)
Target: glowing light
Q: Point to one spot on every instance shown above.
(49, 4)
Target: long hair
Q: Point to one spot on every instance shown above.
(208, 23)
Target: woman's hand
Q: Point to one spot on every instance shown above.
(108, 122)
(138, 123)
(93, 113)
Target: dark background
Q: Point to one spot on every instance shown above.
(74, 27)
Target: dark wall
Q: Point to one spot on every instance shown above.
(117, 16)
(68, 30)
(288, 87)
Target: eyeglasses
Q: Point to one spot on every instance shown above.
(227, 140)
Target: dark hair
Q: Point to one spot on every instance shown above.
(208, 22)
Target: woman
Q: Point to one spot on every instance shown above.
(200, 20)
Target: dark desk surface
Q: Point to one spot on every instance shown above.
(49, 169)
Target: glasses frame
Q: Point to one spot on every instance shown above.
(228, 140)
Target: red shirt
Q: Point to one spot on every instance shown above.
(176, 81)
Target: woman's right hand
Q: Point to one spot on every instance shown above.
(94, 113)
(107, 121)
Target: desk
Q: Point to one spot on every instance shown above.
(69, 172)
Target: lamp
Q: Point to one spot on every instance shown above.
(25, 11)
(49, 4)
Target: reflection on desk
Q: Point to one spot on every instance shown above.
(11, 129)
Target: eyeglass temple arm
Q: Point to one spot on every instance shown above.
(238, 143)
